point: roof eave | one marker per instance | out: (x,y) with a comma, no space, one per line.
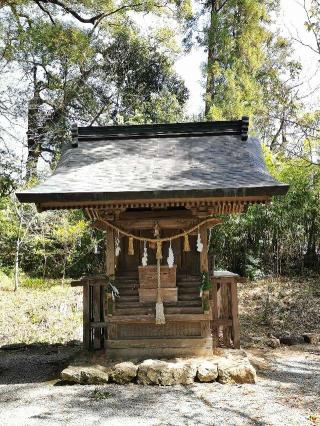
(87,197)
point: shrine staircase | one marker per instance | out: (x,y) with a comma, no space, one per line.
(132,331)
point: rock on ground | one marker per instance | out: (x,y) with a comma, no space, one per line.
(207,371)
(232,371)
(86,375)
(229,366)
(312,338)
(124,372)
(273,342)
(155,372)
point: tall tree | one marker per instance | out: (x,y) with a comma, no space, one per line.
(88,76)
(249,68)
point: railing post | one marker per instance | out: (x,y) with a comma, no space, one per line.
(214,313)
(86,316)
(235,315)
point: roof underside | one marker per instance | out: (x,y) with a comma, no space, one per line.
(161,163)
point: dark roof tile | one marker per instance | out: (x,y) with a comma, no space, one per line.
(109,168)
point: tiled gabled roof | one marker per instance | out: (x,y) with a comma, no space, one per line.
(209,159)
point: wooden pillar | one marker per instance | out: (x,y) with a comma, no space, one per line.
(214,317)
(96,306)
(204,267)
(110,271)
(235,316)
(86,316)
(226,314)
(110,254)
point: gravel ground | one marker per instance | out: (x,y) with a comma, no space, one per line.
(287,393)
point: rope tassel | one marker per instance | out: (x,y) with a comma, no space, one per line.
(186,245)
(130,247)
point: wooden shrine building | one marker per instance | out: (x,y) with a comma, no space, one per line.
(157,191)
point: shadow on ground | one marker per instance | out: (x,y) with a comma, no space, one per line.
(35,363)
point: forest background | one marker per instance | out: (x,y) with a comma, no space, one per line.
(113,62)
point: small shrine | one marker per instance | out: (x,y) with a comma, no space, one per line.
(159,191)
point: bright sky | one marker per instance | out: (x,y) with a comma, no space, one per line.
(290,22)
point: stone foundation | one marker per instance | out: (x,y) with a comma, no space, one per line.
(228,367)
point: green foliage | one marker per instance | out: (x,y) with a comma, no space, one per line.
(280,238)
(91,76)
(53,244)
(99,394)
(205,282)
(250,70)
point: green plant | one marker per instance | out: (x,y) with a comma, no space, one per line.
(111,288)
(100,394)
(205,282)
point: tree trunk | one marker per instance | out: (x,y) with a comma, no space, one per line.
(34,133)
(16,261)
(311,257)
(212,56)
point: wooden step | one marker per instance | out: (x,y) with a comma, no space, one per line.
(133,304)
(188,290)
(183,310)
(133,298)
(146,310)
(140,310)
(158,348)
(151,342)
(136,304)
(184,284)
(181,278)
(128,292)
(126,286)
(127,277)
(157,353)
(150,318)
(188,297)
(197,302)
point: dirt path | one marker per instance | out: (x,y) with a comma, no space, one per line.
(287,394)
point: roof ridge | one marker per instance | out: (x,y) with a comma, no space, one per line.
(215,128)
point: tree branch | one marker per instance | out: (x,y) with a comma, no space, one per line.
(94,20)
(45,11)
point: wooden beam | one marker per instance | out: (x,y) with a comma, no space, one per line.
(78,283)
(219,204)
(155,214)
(132,319)
(167,223)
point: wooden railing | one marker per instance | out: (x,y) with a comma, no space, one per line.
(96,303)
(220,305)
(224,309)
